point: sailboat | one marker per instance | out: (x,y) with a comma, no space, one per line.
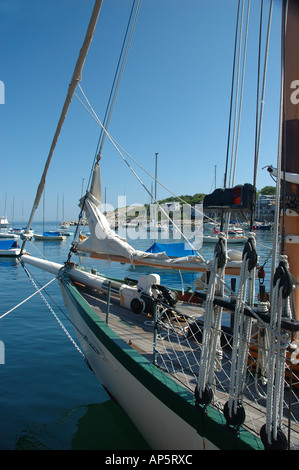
(184,380)
(50,235)
(64,226)
(9,247)
(3,222)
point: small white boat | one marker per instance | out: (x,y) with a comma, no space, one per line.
(20,231)
(156,228)
(9,235)
(64,225)
(262,226)
(233,231)
(17,231)
(65,232)
(230,240)
(3,222)
(49,236)
(9,248)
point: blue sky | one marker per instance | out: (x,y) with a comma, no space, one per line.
(173,99)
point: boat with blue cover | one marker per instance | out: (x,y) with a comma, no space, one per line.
(173,250)
(51,235)
(9,247)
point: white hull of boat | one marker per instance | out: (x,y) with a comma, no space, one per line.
(157,423)
(10,236)
(49,237)
(3,222)
(65,233)
(162,410)
(230,240)
(160,426)
(12,252)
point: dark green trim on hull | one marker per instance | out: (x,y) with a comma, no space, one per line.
(210,425)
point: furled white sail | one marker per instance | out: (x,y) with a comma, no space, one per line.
(96,188)
(102,238)
(105,243)
(290,177)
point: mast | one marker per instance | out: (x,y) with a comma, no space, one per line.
(71,90)
(156,176)
(156,202)
(44,205)
(290,138)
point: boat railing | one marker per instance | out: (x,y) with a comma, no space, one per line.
(178,348)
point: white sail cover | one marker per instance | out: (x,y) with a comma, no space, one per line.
(104,243)
(104,240)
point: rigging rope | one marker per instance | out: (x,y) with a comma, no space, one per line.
(39,291)
(114,143)
(28,298)
(76,77)
(84,337)
(231,97)
(257,102)
(241,333)
(258,137)
(111,100)
(211,347)
(52,311)
(118,147)
(279,162)
(118,74)
(237,95)
(279,340)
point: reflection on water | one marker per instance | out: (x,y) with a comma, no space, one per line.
(106,426)
(102,426)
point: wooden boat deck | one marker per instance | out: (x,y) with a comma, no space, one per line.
(135,329)
(180,358)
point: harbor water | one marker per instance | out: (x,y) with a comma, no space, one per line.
(49,397)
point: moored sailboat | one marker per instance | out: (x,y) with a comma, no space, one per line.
(51,235)
(3,222)
(186,381)
(9,247)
